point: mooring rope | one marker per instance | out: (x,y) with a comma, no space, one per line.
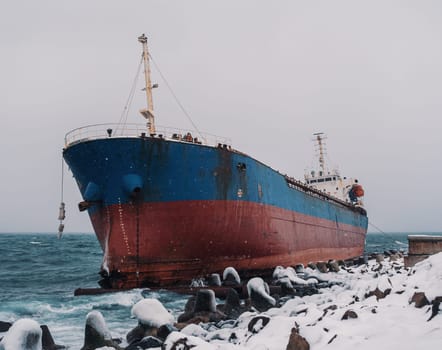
(377,228)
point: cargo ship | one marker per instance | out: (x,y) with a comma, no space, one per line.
(168,207)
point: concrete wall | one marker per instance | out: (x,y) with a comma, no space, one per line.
(421,247)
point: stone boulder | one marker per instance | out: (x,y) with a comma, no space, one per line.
(47,341)
(24,334)
(214,280)
(146,343)
(349,314)
(179,341)
(205,301)
(419,299)
(333,265)
(435,307)
(379,258)
(232,307)
(378,293)
(231,277)
(312,265)
(259,295)
(4,326)
(151,315)
(96,333)
(297,342)
(204,310)
(257,323)
(322,266)
(139,332)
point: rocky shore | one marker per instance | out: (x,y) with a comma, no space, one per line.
(367,303)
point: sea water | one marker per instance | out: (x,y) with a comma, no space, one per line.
(39,273)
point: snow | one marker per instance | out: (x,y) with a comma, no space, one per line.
(194,330)
(281,273)
(192,342)
(96,320)
(383,323)
(384,283)
(24,334)
(427,277)
(258,285)
(151,312)
(231,271)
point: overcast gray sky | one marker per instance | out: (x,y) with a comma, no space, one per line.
(267,74)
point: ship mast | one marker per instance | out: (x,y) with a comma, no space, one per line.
(319,139)
(147,112)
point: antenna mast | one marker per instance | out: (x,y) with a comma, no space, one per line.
(319,140)
(147,112)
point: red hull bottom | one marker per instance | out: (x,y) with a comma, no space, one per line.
(165,244)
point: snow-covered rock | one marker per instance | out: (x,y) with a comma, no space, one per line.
(24,334)
(258,291)
(177,340)
(152,313)
(427,276)
(205,301)
(96,333)
(231,275)
(96,320)
(281,273)
(319,318)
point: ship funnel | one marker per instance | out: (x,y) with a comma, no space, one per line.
(132,184)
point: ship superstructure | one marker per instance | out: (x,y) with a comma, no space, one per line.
(330,181)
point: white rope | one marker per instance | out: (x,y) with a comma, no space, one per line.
(377,228)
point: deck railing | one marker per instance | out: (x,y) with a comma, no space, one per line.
(103,131)
(293,183)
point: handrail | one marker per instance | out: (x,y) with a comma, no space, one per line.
(291,182)
(103,131)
